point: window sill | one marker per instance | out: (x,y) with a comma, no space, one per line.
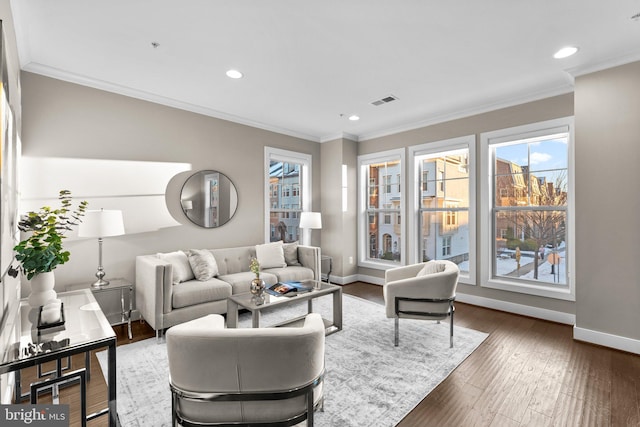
(379,265)
(557,292)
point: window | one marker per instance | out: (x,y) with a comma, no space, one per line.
(380,197)
(529,208)
(442,225)
(291,172)
(446,246)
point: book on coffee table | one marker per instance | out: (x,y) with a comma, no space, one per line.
(288,289)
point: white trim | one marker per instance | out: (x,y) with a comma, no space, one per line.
(158,99)
(608,340)
(371,279)
(343,135)
(563,124)
(604,65)
(523,310)
(467,142)
(363,220)
(288,156)
(343,280)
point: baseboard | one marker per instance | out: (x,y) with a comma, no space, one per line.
(606,340)
(524,310)
(339,280)
(371,279)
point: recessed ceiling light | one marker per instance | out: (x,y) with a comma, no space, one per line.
(234,74)
(565,52)
(353,118)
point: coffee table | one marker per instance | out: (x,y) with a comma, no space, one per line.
(248,301)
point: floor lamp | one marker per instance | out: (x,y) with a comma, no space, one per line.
(102,223)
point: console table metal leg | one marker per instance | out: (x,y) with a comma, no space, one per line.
(130,310)
(54,382)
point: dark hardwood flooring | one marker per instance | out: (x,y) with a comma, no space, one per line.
(528,372)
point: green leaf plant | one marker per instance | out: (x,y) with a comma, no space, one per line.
(42,251)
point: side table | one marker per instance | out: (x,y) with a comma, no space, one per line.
(328,259)
(115,285)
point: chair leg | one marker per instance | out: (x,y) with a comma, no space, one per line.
(396,328)
(451,331)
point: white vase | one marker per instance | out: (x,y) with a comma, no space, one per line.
(42,289)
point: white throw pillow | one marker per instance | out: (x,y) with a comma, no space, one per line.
(431,267)
(180,263)
(270,255)
(203,264)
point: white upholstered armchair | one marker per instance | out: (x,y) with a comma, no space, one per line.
(265,376)
(421,291)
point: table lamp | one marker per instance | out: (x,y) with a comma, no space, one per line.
(312,220)
(101,223)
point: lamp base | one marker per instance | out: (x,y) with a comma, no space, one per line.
(100,283)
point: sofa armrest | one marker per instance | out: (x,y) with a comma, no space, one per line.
(153,289)
(309,256)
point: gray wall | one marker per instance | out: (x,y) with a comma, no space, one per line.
(66,120)
(607,122)
(546,109)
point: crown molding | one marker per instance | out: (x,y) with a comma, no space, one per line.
(157,99)
(603,65)
(480,109)
(342,135)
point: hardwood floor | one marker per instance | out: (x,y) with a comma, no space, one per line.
(528,372)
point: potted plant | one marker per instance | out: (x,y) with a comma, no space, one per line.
(41,252)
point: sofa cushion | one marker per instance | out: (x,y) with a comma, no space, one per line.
(180,266)
(241,282)
(290,273)
(196,292)
(270,255)
(202,263)
(291,253)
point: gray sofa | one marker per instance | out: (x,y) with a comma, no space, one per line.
(164,301)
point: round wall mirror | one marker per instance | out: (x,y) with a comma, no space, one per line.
(209,199)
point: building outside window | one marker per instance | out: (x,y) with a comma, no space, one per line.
(381,198)
(530,204)
(289,171)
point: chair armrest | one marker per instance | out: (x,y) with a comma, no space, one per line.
(309,256)
(153,289)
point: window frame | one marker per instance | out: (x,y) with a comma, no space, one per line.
(364,260)
(467,142)
(306,160)
(487,191)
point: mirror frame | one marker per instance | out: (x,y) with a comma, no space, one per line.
(197,195)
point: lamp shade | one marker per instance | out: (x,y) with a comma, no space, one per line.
(310,220)
(102,223)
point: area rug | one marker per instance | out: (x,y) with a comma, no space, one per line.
(368,381)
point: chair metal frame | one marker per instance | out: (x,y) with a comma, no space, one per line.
(178,394)
(425,314)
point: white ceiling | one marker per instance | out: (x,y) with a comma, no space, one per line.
(307,62)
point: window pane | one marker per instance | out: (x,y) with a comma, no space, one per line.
(445,235)
(384,243)
(285,192)
(444,202)
(384,184)
(530,244)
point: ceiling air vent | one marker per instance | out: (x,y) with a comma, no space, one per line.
(387,99)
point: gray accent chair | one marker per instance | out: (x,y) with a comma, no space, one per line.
(421,291)
(262,376)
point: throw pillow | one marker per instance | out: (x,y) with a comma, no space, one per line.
(291,253)
(430,268)
(180,263)
(271,255)
(203,264)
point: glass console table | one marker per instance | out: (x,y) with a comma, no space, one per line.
(85,328)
